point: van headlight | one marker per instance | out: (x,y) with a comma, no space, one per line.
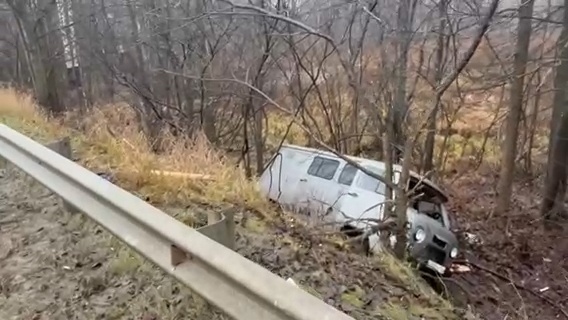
(454,253)
(419,235)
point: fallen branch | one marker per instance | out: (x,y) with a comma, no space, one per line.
(177,174)
(385,225)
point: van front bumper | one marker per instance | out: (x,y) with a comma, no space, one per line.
(431,257)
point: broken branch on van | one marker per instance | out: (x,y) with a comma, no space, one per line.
(384,225)
(377,225)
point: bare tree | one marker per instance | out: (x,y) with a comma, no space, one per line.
(504,187)
(43,50)
(428,159)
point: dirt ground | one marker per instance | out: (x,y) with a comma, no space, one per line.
(520,269)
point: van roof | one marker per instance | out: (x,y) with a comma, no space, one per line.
(364,161)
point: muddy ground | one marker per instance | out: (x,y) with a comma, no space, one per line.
(520,268)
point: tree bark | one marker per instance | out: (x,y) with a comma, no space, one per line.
(555,182)
(428,160)
(400,106)
(555,185)
(42,46)
(505,185)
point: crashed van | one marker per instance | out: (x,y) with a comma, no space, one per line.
(325,186)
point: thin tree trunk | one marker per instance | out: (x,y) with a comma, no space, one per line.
(555,182)
(555,186)
(560,80)
(400,105)
(428,160)
(505,185)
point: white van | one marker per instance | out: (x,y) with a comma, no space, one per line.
(326,186)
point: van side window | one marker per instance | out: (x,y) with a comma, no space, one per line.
(347,175)
(371,184)
(323,168)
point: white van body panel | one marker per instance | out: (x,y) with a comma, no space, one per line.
(328,188)
(286,180)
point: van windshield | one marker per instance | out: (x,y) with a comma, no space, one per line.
(426,200)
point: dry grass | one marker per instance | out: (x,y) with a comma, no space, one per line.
(19,111)
(111,141)
(280,125)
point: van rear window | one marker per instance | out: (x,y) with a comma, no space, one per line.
(323,168)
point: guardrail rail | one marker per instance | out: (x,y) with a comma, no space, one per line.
(236,285)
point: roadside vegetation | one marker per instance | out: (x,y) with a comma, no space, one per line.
(104,144)
(183,102)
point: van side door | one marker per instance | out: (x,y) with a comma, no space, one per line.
(319,182)
(367,198)
(344,181)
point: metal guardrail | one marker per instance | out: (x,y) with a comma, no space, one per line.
(236,285)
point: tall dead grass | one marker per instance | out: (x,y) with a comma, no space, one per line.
(19,111)
(108,139)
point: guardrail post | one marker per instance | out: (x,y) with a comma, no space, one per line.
(213,217)
(230,228)
(63,147)
(221,227)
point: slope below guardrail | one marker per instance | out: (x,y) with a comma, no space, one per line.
(239,287)
(220,225)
